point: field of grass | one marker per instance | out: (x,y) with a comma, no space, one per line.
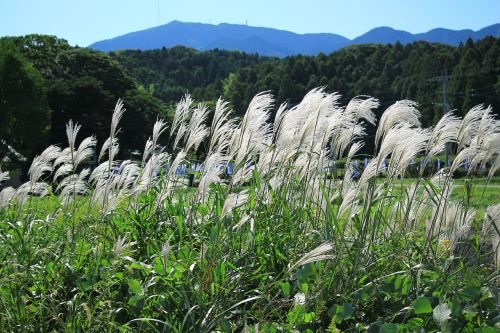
(279,246)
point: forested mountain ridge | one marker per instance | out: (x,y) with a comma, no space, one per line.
(390,72)
(274,42)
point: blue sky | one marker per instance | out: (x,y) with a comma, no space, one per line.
(83,22)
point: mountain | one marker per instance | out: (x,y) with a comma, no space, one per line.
(384,35)
(273,42)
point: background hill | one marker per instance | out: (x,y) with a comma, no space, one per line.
(273,42)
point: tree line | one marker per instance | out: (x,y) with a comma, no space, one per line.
(44,82)
(390,72)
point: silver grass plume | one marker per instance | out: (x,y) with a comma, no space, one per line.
(452,220)
(491,223)
(494,167)
(6,195)
(371,171)
(470,125)
(148,151)
(117,116)
(180,134)
(122,247)
(491,230)
(148,177)
(37,188)
(50,153)
(109,146)
(38,168)
(361,107)
(4,175)
(349,200)
(129,171)
(354,149)
(409,147)
(222,128)
(171,179)
(254,132)
(75,185)
(278,119)
(158,128)
(176,162)
(85,150)
(212,170)
(182,112)
(72,130)
(62,171)
(318,254)
(234,200)
(401,112)
(197,131)
(102,171)
(244,219)
(445,131)
(243,174)
(487,140)
(63,158)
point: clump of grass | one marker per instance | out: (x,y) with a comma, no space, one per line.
(279,245)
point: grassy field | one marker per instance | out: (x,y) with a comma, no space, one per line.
(279,246)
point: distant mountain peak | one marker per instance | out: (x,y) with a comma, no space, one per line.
(274,42)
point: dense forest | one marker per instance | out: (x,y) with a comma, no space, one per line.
(44,82)
(390,72)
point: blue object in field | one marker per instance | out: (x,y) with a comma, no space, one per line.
(366,162)
(356,162)
(421,164)
(466,164)
(439,164)
(430,163)
(230,168)
(355,175)
(183,169)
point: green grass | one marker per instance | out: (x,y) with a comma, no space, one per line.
(214,278)
(280,246)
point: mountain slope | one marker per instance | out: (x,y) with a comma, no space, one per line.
(273,42)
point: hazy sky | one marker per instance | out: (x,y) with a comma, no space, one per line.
(83,22)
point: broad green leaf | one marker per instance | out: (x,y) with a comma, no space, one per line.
(415,323)
(134,286)
(486,330)
(341,312)
(471,292)
(422,305)
(309,317)
(389,328)
(285,288)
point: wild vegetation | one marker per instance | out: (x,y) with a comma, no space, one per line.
(277,246)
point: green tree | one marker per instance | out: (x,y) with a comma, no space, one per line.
(24,112)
